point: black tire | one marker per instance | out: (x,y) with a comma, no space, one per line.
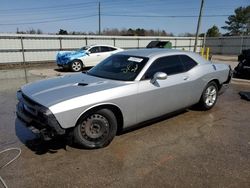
(209,96)
(76,65)
(96,130)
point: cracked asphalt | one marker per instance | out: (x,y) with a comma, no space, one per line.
(191,149)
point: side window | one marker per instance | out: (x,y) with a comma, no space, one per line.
(111,49)
(105,49)
(188,62)
(94,49)
(169,64)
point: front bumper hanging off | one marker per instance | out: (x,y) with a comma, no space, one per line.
(37,118)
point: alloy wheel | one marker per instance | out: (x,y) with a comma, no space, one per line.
(76,66)
(210,95)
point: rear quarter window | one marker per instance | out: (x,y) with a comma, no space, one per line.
(188,62)
(169,64)
(107,49)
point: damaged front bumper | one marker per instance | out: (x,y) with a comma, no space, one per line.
(39,119)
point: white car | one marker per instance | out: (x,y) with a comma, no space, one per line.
(87,56)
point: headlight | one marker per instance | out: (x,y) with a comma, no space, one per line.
(19,95)
(43,114)
(47,117)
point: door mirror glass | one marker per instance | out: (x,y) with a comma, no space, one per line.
(159,76)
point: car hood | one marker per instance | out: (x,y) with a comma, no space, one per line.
(71,54)
(52,91)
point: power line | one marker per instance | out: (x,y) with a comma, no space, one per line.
(48,7)
(163,16)
(51,18)
(58,19)
(49,21)
(83,6)
(46,11)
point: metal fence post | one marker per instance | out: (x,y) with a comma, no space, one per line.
(22,49)
(24,61)
(241,43)
(86,39)
(60,43)
(138,43)
(221,47)
(190,43)
(114,41)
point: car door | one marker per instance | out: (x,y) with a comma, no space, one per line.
(163,96)
(93,57)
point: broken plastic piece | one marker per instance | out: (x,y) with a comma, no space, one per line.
(245,95)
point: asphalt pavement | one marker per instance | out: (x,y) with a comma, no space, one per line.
(191,149)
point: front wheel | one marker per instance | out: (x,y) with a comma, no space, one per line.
(96,130)
(209,96)
(76,66)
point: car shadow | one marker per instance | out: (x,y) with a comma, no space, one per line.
(152,121)
(60,69)
(35,143)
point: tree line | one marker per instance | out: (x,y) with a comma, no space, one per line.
(236,25)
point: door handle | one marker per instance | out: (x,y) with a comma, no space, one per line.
(97,55)
(185,78)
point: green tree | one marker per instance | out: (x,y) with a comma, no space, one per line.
(140,32)
(39,31)
(213,31)
(238,23)
(130,32)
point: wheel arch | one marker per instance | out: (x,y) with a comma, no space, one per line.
(77,59)
(110,106)
(217,83)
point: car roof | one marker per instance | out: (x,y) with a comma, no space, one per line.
(158,52)
(102,45)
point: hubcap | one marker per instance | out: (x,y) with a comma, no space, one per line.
(95,128)
(76,66)
(210,95)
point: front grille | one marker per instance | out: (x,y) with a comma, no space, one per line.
(31,107)
(30,101)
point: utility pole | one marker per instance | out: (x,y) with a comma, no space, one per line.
(99,13)
(198,26)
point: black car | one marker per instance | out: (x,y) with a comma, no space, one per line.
(242,70)
(159,44)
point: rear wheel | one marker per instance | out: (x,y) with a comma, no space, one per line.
(96,130)
(76,66)
(209,96)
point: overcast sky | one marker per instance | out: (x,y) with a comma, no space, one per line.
(176,16)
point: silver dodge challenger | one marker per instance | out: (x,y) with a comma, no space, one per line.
(125,89)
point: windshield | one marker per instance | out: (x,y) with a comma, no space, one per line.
(119,67)
(84,48)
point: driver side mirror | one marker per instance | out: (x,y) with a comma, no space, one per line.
(87,52)
(159,76)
